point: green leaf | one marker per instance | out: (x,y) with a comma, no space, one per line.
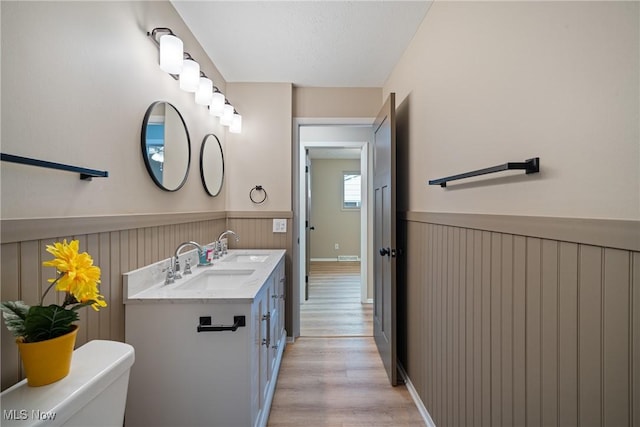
(14,314)
(43,323)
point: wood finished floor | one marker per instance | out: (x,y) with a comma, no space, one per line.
(332,376)
(334,307)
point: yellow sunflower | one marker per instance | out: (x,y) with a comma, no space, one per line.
(79,277)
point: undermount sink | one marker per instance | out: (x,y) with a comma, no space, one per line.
(216,279)
(246,258)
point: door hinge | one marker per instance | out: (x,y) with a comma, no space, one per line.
(306,169)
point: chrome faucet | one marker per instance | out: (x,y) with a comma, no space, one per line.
(176,269)
(222,235)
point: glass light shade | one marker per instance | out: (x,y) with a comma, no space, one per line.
(204,92)
(158,156)
(171,51)
(236,123)
(190,76)
(227,115)
(217,104)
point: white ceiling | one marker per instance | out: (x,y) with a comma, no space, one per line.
(307,43)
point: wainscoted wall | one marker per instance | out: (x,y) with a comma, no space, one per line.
(117,244)
(507,327)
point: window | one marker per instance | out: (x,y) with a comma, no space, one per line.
(351,190)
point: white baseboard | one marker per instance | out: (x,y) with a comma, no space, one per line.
(426,417)
(370,301)
(324,259)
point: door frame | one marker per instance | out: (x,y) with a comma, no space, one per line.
(299,206)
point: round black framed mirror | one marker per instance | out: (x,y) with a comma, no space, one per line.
(212,164)
(166,146)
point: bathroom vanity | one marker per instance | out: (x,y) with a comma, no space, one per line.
(209,346)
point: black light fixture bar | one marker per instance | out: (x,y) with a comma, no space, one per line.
(154,34)
(529,166)
(85,174)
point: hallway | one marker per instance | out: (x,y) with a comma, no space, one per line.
(334,308)
(332,376)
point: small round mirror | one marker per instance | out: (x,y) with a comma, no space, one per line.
(212,165)
(166,147)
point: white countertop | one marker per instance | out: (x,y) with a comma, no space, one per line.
(146,285)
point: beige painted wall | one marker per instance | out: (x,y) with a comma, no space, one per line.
(77,78)
(483,83)
(324,133)
(336,102)
(332,223)
(261,154)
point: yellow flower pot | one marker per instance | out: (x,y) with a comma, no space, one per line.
(46,362)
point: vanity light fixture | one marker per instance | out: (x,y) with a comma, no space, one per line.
(236,123)
(158,155)
(205,91)
(190,75)
(216,107)
(182,67)
(227,115)
(171,50)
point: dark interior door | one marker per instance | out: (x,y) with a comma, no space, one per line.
(384,217)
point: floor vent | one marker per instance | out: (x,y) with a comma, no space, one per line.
(348,258)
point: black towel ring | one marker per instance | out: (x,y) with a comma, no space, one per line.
(258,188)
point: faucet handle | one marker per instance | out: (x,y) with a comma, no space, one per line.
(187,267)
(170,277)
(176,270)
(216,249)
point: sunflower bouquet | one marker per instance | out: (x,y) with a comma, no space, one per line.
(77,277)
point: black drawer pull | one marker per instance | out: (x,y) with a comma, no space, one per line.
(205,324)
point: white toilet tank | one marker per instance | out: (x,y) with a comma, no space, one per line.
(93,394)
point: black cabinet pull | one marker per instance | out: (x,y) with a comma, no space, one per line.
(205,324)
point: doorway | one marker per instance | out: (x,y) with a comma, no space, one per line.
(334,303)
(301,145)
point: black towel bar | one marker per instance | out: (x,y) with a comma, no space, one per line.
(85,174)
(529,166)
